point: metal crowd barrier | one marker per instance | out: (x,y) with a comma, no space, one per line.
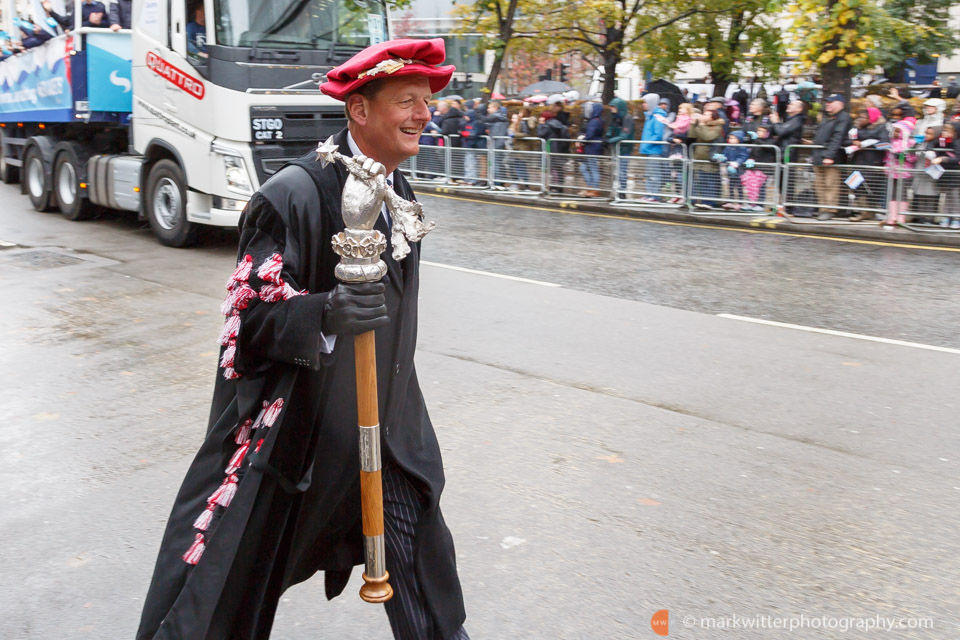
(518,169)
(650,179)
(931,193)
(810,190)
(733,184)
(796,186)
(468,162)
(578,175)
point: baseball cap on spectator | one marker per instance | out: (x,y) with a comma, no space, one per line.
(835,98)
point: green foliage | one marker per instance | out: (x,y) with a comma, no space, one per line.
(856,34)
(732,36)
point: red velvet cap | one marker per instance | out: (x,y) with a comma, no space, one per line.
(391,59)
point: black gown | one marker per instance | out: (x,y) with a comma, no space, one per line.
(273,494)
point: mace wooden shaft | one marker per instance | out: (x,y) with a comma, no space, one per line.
(375,587)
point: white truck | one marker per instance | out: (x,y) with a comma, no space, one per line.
(182,116)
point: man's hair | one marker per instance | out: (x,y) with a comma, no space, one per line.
(368,91)
(494,102)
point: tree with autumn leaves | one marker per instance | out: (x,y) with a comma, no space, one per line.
(837,37)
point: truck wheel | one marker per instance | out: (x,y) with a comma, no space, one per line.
(66,187)
(166,205)
(36,181)
(9,174)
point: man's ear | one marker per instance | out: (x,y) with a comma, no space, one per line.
(357,106)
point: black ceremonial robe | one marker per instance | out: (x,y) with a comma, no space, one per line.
(273,494)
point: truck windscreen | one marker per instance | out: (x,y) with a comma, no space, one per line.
(300,24)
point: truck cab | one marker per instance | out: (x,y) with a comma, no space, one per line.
(220,94)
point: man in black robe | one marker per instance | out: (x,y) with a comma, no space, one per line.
(273,495)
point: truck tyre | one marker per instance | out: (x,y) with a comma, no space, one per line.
(9,174)
(166,205)
(67,170)
(35,180)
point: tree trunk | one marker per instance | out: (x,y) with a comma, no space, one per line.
(836,80)
(506,33)
(610,61)
(720,83)
(494,72)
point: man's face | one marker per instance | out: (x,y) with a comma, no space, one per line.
(492,108)
(557,107)
(442,107)
(834,107)
(929,109)
(710,107)
(793,108)
(391,123)
(756,107)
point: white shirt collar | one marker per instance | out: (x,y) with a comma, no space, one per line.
(355,150)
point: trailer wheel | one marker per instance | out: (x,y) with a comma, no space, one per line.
(35,177)
(166,205)
(8,173)
(66,186)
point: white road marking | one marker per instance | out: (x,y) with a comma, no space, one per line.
(487,273)
(842,334)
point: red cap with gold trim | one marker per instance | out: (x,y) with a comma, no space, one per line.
(391,59)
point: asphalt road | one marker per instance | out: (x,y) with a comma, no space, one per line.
(612,446)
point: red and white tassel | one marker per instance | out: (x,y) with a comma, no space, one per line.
(272,413)
(237,460)
(259,443)
(230,373)
(224,495)
(226,360)
(270,270)
(242,273)
(203,520)
(242,296)
(273,292)
(290,292)
(192,556)
(243,431)
(231,327)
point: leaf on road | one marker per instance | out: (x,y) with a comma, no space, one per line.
(612,459)
(650,502)
(46,416)
(851,364)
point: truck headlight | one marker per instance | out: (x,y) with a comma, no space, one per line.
(236,174)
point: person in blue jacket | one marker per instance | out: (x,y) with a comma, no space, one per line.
(654,126)
(733,158)
(592,141)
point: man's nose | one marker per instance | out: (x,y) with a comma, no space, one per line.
(423,113)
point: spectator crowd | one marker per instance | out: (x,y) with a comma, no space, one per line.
(871,161)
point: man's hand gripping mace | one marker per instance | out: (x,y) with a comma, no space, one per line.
(359,246)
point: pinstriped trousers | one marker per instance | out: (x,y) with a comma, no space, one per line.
(402,506)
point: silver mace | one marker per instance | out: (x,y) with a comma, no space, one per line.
(359,246)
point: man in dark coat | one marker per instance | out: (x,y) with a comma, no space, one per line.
(273,496)
(121,14)
(830,136)
(790,131)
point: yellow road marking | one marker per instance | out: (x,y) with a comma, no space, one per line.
(878,243)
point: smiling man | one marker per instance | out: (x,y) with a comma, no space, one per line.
(273,496)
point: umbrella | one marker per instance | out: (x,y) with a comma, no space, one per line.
(536,99)
(498,96)
(545,86)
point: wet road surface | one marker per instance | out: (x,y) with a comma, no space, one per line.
(607,456)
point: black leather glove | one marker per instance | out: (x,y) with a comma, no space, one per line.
(353,309)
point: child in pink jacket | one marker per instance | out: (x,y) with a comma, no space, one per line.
(898,164)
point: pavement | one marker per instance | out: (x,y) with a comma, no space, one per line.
(838,227)
(617,439)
